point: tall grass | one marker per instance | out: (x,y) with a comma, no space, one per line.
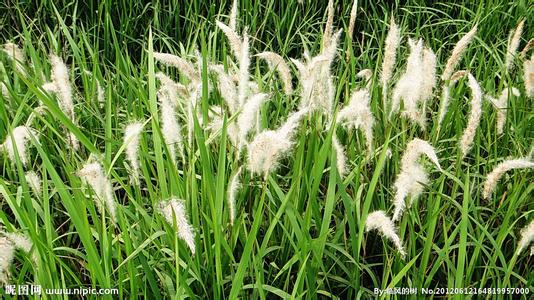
(299,231)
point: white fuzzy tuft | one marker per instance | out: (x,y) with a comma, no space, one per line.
(171,130)
(357,114)
(34,181)
(233,188)
(93,174)
(173,210)
(132,137)
(379,221)
(328,28)
(16,55)
(415,86)
(341,159)
(63,89)
(276,61)
(16,142)
(352,20)
(501,104)
(270,146)
(227,88)
(248,116)
(493,178)
(233,16)
(528,76)
(513,44)
(184,67)
(413,176)
(527,236)
(7,254)
(457,53)
(244,64)
(466,141)
(390,54)
(233,38)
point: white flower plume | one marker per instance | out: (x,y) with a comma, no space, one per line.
(16,55)
(379,221)
(413,176)
(501,104)
(132,137)
(173,210)
(390,54)
(277,62)
(357,114)
(233,188)
(527,236)
(457,53)
(495,175)
(513,44)
(466,141)
(34,181)
(16,142)
(94,175)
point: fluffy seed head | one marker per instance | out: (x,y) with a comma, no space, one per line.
(357,114)
(94,175)
(270,146)
(233,16)
(527,236)
(173,210)
(132,137)
(233,188)
(7,253)
(457,53)
(352,20)
(15,54)
(379,221)
(413,176)
(390,54)
(528,76)
(244,64)
(328,29)
(34,181)
(495,175)
(184,67)
(233,38)
(466,141)
(171,130)
(276,61)
(17,142)
(501,104)
(341,159)
(513,44)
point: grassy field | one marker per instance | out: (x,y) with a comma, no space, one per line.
(299,231)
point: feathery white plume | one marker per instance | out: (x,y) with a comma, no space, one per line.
(227,88)
(4,90)
(62,87)
(415,86)
(132,137)
(379,221)
(466,141)
(16,142)
(184,67)
(513,44)
(7,253)
(248,116)
(233,188)
(446,93)
(341,159)
(233,39)
(412,176)
(276,61)
(493,177)
(94,175)
(390,54)
(233,16)
(173,210)
(34,181)
(328,28)
(268,147)
(357,114)
(527,236)
(501,104)
(457,53)
(528,76)
(9,242)
(244,64)
(16,55)
(352,20)
(171,130)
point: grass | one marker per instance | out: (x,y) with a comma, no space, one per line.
(299,233)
